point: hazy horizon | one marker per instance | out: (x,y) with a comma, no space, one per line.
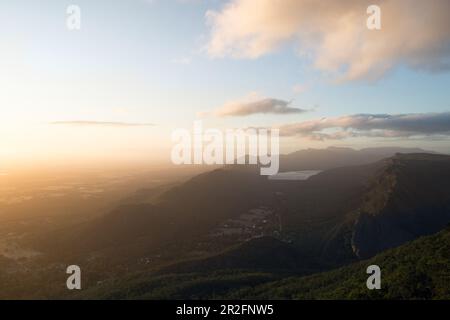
(113,91)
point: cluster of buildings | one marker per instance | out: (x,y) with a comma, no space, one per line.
(255,223)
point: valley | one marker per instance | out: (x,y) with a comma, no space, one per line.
(218,232)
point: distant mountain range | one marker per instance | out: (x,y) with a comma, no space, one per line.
(333,157)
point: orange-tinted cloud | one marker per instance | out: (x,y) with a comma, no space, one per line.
(255,104)
(334,35)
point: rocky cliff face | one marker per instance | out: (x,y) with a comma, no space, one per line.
(408,198)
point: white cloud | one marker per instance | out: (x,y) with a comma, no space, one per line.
(334,34)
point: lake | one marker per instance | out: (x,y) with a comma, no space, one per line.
(295,175)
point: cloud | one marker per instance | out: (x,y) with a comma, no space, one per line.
(334,35)
(254,104)
(101,124)
(371,125)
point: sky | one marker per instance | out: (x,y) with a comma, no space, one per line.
(139,69)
